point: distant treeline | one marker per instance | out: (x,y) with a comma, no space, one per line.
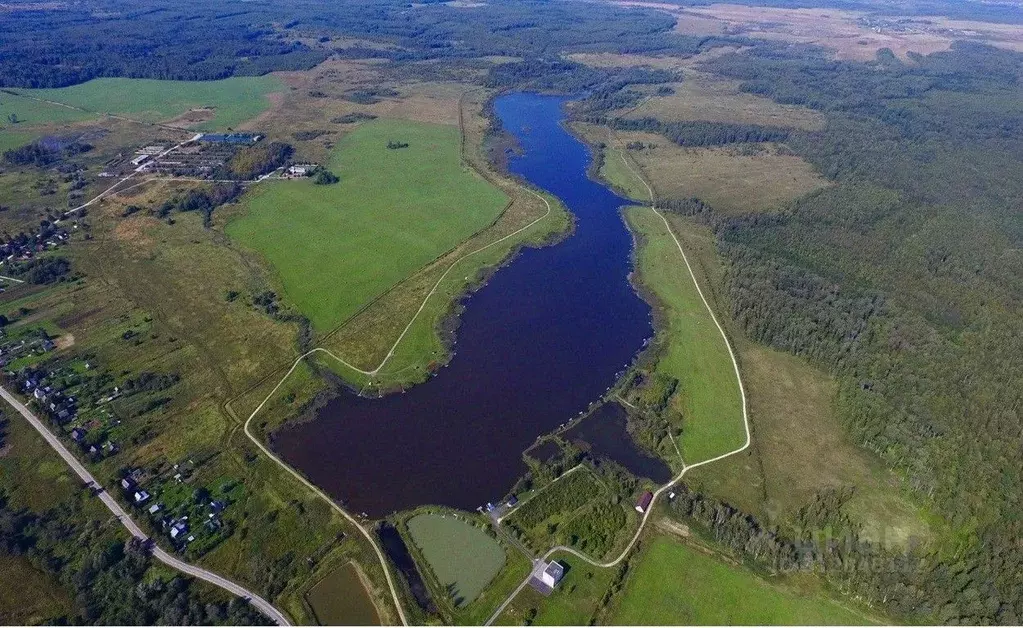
(698,133)
(194,40)
(44,153)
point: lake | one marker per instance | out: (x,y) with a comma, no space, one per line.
(546,335)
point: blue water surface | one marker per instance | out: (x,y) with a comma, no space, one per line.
(542,339)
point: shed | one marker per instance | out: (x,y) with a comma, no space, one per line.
(644,502)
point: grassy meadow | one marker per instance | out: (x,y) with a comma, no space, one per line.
(573,603)
(233,100)
(464,558)
(691,347)
(673,584)
(337,247)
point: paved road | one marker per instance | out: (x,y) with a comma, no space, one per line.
(262,605)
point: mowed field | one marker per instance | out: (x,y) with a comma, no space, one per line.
(672,584)
(336,247)
(233,100)
(691,347)
(461,556)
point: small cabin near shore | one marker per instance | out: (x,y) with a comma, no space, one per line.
(644,502)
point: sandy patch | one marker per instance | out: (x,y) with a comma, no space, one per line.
(192,117)
(65,342)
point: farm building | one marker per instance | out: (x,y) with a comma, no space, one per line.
(230,138)
(553,574)
(546,576)
(301,170)
(644,502)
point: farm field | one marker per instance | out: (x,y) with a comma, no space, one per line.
(692,350)
(340,599)
(464,558)
(394,211)
(672,584)
(233,100)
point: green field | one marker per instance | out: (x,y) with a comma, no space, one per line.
(461,556)
(693,350)
(340,599)
(674,585)
(573,603)
(234,100)
(336,247)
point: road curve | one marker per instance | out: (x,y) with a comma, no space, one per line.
(197,572)
(685,468)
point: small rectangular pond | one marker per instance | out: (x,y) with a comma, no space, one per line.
(340,599)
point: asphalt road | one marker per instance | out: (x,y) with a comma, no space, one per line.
(197,572)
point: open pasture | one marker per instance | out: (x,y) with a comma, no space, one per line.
(337,247)
(232,100)
(673,584)
(691,349)
(464,558)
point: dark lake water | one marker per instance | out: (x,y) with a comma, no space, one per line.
(605,433)
(541,340)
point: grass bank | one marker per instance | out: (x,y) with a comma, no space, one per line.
(691,349)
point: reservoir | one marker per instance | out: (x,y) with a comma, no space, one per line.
(542,339)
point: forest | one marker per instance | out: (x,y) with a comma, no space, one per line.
(904,280)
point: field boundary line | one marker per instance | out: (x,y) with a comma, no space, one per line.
(685,468)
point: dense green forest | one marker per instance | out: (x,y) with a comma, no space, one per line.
(904,279)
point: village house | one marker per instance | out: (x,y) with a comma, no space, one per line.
(644,502)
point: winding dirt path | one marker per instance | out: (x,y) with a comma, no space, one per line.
(685,468)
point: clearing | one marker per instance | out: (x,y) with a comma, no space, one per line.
(709,98)
(463,557)
(337,247)
(691,348)
(234,100)
(738,179)
(672,584)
